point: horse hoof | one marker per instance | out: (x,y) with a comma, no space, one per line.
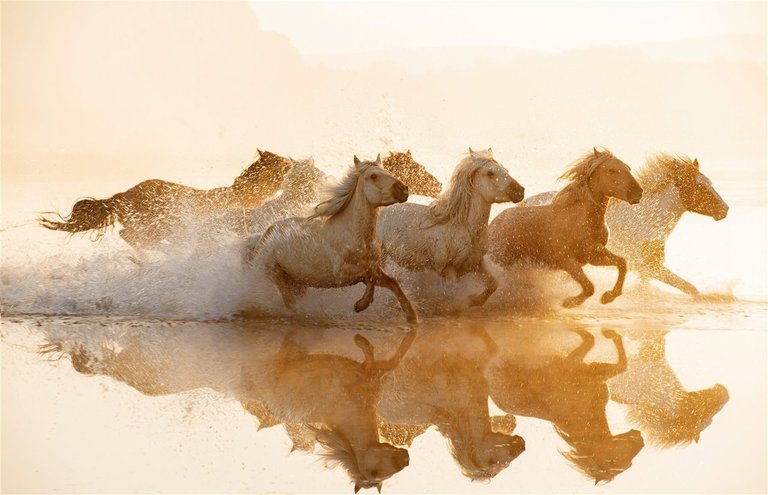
(572,302)
(610,334)
(412,318)
(608,297)
(361,305)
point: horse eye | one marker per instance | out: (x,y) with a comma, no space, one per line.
(491,174)
(374,176)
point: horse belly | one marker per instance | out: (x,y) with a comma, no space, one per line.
(523,234)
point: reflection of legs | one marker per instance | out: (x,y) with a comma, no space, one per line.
(490,286)
(587,289)
(603,257)
(587,343)
(287,288)
(384,280)
(607,370)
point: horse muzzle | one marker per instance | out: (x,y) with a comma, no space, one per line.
(516,192)
(400,192)
(721,213)
(635,195)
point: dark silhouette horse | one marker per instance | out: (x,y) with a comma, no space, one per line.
(154,210)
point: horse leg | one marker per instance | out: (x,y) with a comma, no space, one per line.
(603,257)
(666,275)
(384,280)
(365,301)
(573,268)
(587,343)
(608,370)
(490,285)
(286,286)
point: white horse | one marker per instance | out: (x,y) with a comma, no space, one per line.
(337,245)
(672,185)
(450,236)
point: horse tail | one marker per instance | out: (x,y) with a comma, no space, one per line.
(87,214)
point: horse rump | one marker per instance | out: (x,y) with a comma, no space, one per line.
(87,214)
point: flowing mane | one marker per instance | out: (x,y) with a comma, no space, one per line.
(661,169)
(452,207)
(337,451)
(341,193)
(578,174)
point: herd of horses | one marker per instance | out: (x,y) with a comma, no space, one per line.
(604,216)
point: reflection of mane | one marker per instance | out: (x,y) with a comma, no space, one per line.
(453,205)
(578,174)
(660,171)
(586,462)
(337,451)
(341,193)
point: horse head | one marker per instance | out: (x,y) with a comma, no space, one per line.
(611,177)
(304,178)
(697,192)
(378,463)
(263,176)
(413,174)
(379,186)
(602,458)
(492,180)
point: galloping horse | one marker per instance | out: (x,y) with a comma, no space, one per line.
(672,185)
(412,174)
(451,235)
(337,245)
(154,210)
(570,232)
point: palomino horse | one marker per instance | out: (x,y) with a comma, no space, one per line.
(570,232)
(672,185)
(656,401)
(412,174)
(154,210)
(572,395)
(338,397)
(451,235)
(445,386)
(337,246)
(302,187)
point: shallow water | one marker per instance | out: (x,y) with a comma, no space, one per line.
(126,377)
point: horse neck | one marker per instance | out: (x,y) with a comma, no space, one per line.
(665,207)
(358,218)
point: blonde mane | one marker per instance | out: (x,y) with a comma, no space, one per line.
(661,169)
(578,174)
(341,193)
(452,207)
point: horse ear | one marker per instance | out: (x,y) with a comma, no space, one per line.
(597,153)
(470,150)
(357,160)
(311,161)
(490,149)
(696,163)
(378,487)
(378,160)
(357,487)
(409,153)
(261,153)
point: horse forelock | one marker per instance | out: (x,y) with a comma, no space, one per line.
(342,192)
(578,173)
(453,205)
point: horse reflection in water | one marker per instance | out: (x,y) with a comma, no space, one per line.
(445,386)
(658,404)
(329,398)
(157,211)
(572,395)
(570,232)
(672,185)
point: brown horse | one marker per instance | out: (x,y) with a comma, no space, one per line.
(570,232)
(412,174)
(154,210)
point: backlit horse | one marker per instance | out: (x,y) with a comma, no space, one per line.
(337,245)
(672,185)
(570,232)
(412,174)
(450,236)
(155,210)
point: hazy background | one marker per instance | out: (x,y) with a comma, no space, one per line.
(122,92)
